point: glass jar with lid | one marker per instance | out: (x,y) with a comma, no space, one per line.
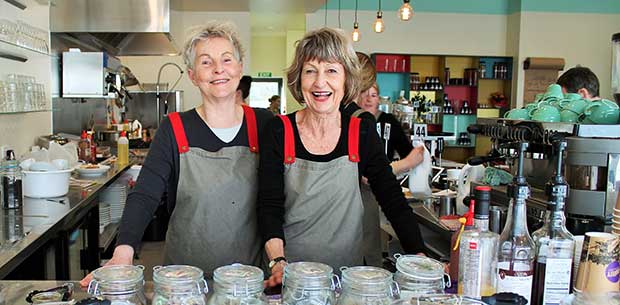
(367,285)
(121,284)
(418,275)
(237,284)
(308,283)
(179,285)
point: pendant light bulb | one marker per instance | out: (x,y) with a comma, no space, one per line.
(356,32)
(406,11)
(378,25)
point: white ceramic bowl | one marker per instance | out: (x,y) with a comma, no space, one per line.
(92,172)
(46,184)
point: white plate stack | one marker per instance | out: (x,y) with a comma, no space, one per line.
(104,216)
(115,195)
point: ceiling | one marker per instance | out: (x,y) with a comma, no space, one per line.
(268,17)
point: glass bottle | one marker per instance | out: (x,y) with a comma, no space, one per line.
(84,151)
(309,283)
(478,251)
(11,182)
(179,284)
(121,284)
(516,246)
(237,284)
(418,275)
(363,285)
(554,244)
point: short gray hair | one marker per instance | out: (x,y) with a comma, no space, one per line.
(327,45)
(220,29)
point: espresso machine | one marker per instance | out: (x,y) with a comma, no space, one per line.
(592,167)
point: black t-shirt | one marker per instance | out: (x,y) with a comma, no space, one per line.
(160,171)
(398,139)
(373,165)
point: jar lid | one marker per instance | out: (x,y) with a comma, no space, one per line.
(419,266)
(445,299)
(177,274)
(308,275)
(365,274)
(118,274)
(238,274)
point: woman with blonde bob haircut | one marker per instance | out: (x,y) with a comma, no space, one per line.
(206,160)
(311,161)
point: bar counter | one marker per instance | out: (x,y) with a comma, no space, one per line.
(41,222)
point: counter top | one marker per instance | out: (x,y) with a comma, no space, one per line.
(15,292)
(27,229)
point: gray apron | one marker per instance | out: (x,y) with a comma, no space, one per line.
(214,222)
(372,230)
(323,211)
(371,246)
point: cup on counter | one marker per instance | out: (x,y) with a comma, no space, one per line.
(554,91)
(569,116)
(545,113)
(600,112)
(599,267)
(518,114)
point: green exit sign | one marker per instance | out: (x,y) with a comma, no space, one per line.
(264,74)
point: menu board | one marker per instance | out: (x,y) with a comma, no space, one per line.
(539,74)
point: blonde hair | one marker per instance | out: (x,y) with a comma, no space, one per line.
(219,29)
(368,72)
(325,45)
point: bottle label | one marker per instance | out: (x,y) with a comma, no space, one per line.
(473,269)
(518,280)
(557,280)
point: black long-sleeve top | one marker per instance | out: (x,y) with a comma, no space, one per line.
(160,171)
(398,139)
(373,165)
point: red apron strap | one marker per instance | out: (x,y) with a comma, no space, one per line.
(354,139)
(250,119)
(179,132)
(289,140)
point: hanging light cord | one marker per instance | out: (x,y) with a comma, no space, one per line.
(355,11)
(379,5)
(339,24)
(325,22)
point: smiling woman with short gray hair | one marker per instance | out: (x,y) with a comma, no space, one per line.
(311,162)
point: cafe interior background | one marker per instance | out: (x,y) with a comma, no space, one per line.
(577,31)
(460,34)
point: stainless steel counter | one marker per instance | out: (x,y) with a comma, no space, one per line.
(26,230)
(15,292)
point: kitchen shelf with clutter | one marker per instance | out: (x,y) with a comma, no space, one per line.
(446,92)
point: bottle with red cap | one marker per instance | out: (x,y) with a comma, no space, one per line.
(123,149)
(478,251)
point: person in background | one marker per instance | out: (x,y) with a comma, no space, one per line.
(580,80)
(274,104)
(396,141)
(311,162)
(244,90)
(206,160)
(368,76)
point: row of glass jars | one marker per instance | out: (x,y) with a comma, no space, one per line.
(304,283)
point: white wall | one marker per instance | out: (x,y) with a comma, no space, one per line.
(426,33)
(20,130)
(145,68)
(583,39)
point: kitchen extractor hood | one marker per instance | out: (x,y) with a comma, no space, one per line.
(118,27)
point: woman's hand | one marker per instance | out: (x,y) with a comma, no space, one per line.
(277,272)
(275,248)
(415,157)
(123,255)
